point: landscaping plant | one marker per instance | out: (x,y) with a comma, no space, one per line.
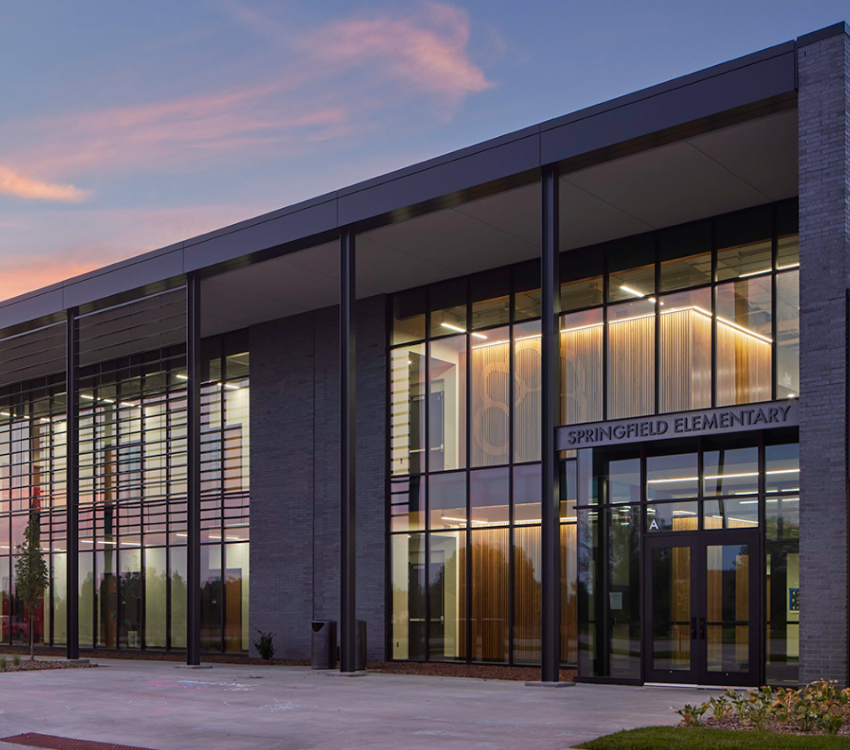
(819,707)
(16,660)
(265,646)
(2,663)
(31,576)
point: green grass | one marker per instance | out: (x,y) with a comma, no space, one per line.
(685,738)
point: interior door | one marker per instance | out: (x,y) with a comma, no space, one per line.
(702,606)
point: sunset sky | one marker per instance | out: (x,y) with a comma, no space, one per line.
(128,126)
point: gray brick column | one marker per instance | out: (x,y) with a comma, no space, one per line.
(295,476)
(824,136)
(282,483)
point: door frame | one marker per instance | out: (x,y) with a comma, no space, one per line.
(699,541)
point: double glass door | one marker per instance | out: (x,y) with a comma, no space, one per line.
(702,603)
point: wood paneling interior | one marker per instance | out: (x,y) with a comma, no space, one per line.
(631,367)
(490,600)
(685,360)
(527,594)
(581,391)
(743,366)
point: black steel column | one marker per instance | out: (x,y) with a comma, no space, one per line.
(550,406)
(348,410)
(72,481)
(193,469)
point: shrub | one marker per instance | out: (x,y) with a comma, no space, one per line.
(692,715)
(264,645)
(16,660)
(3,663)
(819,706)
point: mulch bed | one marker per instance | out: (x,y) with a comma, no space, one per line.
(439,669)
(476,671)
(27,665)
(737,725)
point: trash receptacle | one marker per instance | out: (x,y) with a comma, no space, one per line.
(360,645)
(323,653)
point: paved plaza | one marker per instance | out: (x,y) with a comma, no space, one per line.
(156,705)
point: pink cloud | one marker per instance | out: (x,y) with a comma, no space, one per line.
(20,186)
(428,51)
(331,82)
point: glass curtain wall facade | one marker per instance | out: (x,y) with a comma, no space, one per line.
(466,485)
(690,317)
(32,477)
(132,478)
(750,482)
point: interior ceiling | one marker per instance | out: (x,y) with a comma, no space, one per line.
(744,165)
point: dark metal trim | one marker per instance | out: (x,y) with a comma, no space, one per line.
(193,459)
(550,392)
(72,490)
(348,411)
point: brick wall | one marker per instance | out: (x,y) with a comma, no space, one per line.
(295,511)
(823,151)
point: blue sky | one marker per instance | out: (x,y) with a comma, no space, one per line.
(125,127)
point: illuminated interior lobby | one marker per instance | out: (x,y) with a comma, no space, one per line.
(573,397)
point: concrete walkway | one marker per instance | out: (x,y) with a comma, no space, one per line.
(155,705)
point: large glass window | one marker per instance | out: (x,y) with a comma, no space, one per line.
(631,359)
(788,334)
(680,319)
(407,409)
(744,330)
(447,403)
(685,358)
(581,355)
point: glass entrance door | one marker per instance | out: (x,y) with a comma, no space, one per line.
(702,602)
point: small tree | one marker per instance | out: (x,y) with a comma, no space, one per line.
(31,576)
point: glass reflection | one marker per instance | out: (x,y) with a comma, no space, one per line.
(744,341)
(731,471)
(490,401)
(447,500)
(672,517)
(671,477)
(407,409)
(728,610)
(671,608)
(448,307)
(788,334)
(489,497)
(408,596)
(527,370)
(407,504)
(447,404)
(528,491)
(447,596)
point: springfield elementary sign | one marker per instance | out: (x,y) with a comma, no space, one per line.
(707,422)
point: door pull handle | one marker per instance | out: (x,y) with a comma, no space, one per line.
(693,628)
(702,628)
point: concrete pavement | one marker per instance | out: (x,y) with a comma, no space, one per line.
(155,705)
